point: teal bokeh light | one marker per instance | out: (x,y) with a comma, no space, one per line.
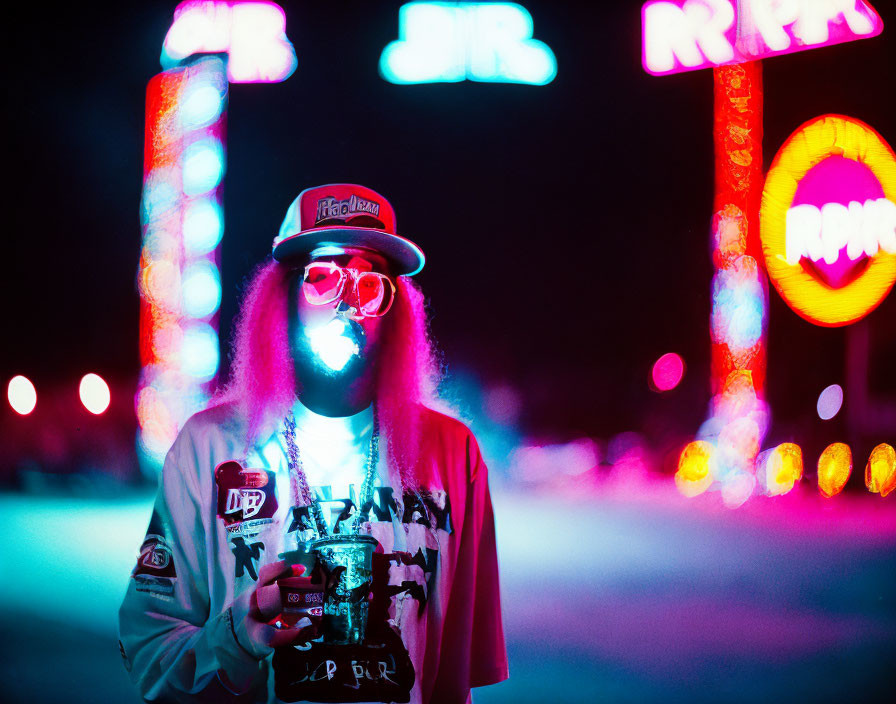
(202,105)
(203,226)
(450,42)
(201,289)
(199,352)
(203,166)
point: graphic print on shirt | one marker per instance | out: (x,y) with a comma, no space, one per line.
(246,556)
(155,572)
(379,669)
(247,502)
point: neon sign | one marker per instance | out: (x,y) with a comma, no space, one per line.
(252,34)
(686,35)
(828,220)
(455,41)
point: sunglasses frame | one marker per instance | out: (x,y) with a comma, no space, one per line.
(344,274)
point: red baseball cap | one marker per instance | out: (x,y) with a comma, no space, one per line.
(345,214)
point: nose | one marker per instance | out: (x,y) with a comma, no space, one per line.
(345,310)
(352,297)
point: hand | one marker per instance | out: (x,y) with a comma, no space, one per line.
(265,624)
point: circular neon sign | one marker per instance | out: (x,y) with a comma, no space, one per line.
(828,220)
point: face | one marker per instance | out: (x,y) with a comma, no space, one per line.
(331,340)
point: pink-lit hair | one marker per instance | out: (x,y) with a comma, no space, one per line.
(262,377)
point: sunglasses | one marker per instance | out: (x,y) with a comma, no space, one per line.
(324,282)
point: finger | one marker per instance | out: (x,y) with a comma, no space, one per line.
(271,571)
(298,570)
(268,601)
(302,632)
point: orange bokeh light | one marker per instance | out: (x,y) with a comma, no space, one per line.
(694,474)
(834,468)
(880,472)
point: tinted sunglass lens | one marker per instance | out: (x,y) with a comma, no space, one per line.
(374,294)
(321,284)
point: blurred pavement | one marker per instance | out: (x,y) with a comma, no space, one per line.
(612,595)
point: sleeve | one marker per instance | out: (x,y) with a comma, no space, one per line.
(473,652)
(173,649)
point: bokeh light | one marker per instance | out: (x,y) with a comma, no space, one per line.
(783,468)
(202,104)
(94,393)
(834,468)
(829,402)
(201,289)
(203,166)
(737,487)
(203,226)
(21,394)
(694,476)
(199,351)
(667,372)
(880,472)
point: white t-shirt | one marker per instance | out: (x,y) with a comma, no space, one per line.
(434,627)
(333,452)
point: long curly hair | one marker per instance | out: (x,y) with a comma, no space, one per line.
(262,385)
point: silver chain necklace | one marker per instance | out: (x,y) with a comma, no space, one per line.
(301,490)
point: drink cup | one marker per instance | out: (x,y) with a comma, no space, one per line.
(348,562)
(301,598)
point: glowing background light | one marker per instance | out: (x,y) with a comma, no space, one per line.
(737,488)
(694,474)
(739,415)
(684,35)
(201,106)
(880,471)
(834,468)
(829,402)
(331,344)
(783,468)
(94,393)
(451,42)
(253,34)
(159,195)
(199,351)
(203,226)
(667,372)
(179,281)
(534,463)
(21,394)
(201,289)
(203,166)
(827,212)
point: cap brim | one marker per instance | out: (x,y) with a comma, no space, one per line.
(406,255)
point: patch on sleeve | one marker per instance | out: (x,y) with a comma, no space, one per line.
(155,571)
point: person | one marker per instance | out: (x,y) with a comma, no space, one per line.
(329,433)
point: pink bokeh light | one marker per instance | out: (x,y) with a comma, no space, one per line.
(667,372)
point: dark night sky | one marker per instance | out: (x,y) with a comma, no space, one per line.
(606,173)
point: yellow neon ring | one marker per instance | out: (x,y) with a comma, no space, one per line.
(817,139)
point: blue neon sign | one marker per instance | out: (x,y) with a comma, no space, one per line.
(456,41)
